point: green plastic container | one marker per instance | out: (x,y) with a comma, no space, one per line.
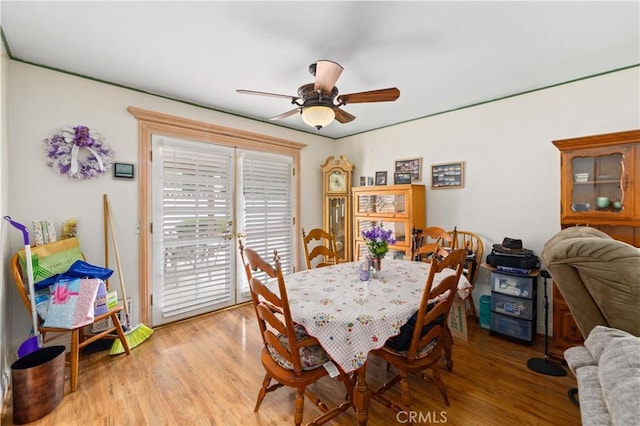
(485,311)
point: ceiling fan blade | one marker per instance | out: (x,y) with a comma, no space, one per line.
(327,73)
(381,95)
(285,114)
(343,116)
(273,95)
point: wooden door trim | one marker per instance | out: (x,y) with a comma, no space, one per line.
(155,123)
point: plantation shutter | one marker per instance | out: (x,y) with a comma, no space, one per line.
(266,206)
(194,267)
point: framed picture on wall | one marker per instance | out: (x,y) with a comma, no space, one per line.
(363,181)
(448,175)
(401,178)
(369,180)
(412,166)
(381,178)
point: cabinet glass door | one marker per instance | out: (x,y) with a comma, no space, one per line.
(598,183)
(337,223)
(401,253)
(401,233)
(393,204)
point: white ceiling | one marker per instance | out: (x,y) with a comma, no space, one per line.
(441,55)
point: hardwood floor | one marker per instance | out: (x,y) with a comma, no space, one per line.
(206,371)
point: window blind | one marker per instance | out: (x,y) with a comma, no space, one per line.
(267,206)
(196,213)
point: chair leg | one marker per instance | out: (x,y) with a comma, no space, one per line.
(74,355)
(447,343)
(404,389)
(263,391)
(316,401)
(297,417)
(438,381)
(472,307)
(120,332)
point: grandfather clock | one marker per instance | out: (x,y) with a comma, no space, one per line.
(336,203)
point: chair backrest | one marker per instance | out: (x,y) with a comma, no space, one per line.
(274,318)
(19,283)
(472,243)
(325,249)
(429,243)
(253,262)
(436,302)
(62,252)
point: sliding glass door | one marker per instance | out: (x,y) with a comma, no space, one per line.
(204,197)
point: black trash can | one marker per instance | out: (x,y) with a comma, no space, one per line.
(38,384)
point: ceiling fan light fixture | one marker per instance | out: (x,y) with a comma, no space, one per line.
(318,116)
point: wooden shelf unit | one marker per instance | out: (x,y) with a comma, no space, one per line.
(397,207)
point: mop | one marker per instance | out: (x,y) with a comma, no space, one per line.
(134,335)
(33,343)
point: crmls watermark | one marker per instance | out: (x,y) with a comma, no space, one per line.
(421,417)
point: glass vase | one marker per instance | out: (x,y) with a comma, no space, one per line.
(375,264)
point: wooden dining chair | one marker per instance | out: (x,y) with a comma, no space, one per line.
(325,247)
(254,263)
(430,337)
(290,356)
(472,243)
(429,243)
(79,338)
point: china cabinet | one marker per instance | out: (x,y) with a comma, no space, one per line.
(397,207)
(599,187)
(336,203)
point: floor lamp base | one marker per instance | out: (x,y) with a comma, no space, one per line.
(544,366)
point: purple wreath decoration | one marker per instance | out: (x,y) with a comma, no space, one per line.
(78,153)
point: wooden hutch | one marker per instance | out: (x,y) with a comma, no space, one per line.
(600,181)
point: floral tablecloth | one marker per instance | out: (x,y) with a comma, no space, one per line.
(350,317)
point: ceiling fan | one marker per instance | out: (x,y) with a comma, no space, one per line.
(319,102)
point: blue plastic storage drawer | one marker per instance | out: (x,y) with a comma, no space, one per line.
(509,326)
(513,285)
(514,306)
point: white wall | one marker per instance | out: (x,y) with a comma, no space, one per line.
(511,167)
(512,170)
(40,101)
(5,306)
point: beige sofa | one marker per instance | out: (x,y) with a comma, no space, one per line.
(607,369)
(599,278)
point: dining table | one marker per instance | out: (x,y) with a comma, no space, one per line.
(350,317)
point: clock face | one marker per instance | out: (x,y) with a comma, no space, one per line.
(337,181)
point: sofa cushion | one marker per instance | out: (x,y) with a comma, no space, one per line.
(311,357)
(600,338)
(593,408)
(619,375)
(578,356)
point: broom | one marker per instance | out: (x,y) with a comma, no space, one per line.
(134,335)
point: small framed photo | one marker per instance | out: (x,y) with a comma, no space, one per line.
(449,175)
(363,181)
(381,178)
(401,178)
(370,180)
(412,166)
